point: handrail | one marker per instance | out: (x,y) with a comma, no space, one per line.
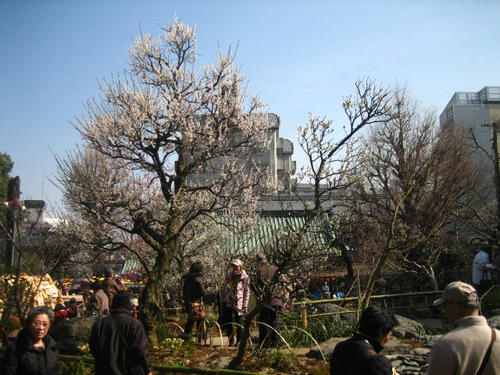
(167,369)
(378,296)
(304,304)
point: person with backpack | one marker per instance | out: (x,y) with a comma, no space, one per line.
(118,341)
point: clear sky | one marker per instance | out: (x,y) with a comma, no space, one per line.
(301,56)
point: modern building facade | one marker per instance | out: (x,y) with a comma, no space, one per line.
(475,111)
(276,157)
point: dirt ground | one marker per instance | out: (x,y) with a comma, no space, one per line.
(216,354)
(266,361)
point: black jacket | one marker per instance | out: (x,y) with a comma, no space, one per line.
(119,345)
(357,356)
(193,289)
(22,359)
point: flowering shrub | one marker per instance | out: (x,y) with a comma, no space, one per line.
(173,352)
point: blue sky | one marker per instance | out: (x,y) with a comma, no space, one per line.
(301,56)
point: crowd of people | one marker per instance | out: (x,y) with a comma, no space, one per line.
(119,344)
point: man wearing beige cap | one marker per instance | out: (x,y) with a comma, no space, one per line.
(471,347)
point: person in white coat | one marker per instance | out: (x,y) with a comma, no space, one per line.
(482,270)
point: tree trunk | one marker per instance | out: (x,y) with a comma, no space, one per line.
(365,300)
(432,277)
(366,295)
(348,265)
(151,296)
(236,361)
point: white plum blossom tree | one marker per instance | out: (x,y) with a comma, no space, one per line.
(170,146)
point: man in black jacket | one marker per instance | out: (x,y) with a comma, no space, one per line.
(118,341)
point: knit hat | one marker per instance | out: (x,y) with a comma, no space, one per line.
(261,257)
(108,273)
(59,307)
(460,292)
(60,315)
(121,300)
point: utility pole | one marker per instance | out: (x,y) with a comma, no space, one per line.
(496,244)
(13,194)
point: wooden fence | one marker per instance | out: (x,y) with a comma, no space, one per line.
(397,301)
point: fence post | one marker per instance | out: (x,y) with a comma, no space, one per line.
(304,316)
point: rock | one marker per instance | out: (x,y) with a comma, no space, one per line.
(420,351)
(494,322)
(326,347)
(423,312)
(394,346)
(432,325)
(333,307)
(396,363)
(429,341)
(407,328)
(414,363)
(409,370)
(328,307)
(73,334)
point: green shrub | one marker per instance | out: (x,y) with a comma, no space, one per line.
(321,328)
(163,330)
(281,360)
(78,367)
(173,352)
(491,300)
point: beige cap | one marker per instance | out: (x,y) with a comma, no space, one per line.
(458,291)
(236,262)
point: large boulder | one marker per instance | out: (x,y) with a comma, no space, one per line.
(334,308)
(494,321)
(423,312)
(326,348)
(407,328)
(434,326)
(74,334)
(394,346)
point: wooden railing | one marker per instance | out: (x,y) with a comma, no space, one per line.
(351,303)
